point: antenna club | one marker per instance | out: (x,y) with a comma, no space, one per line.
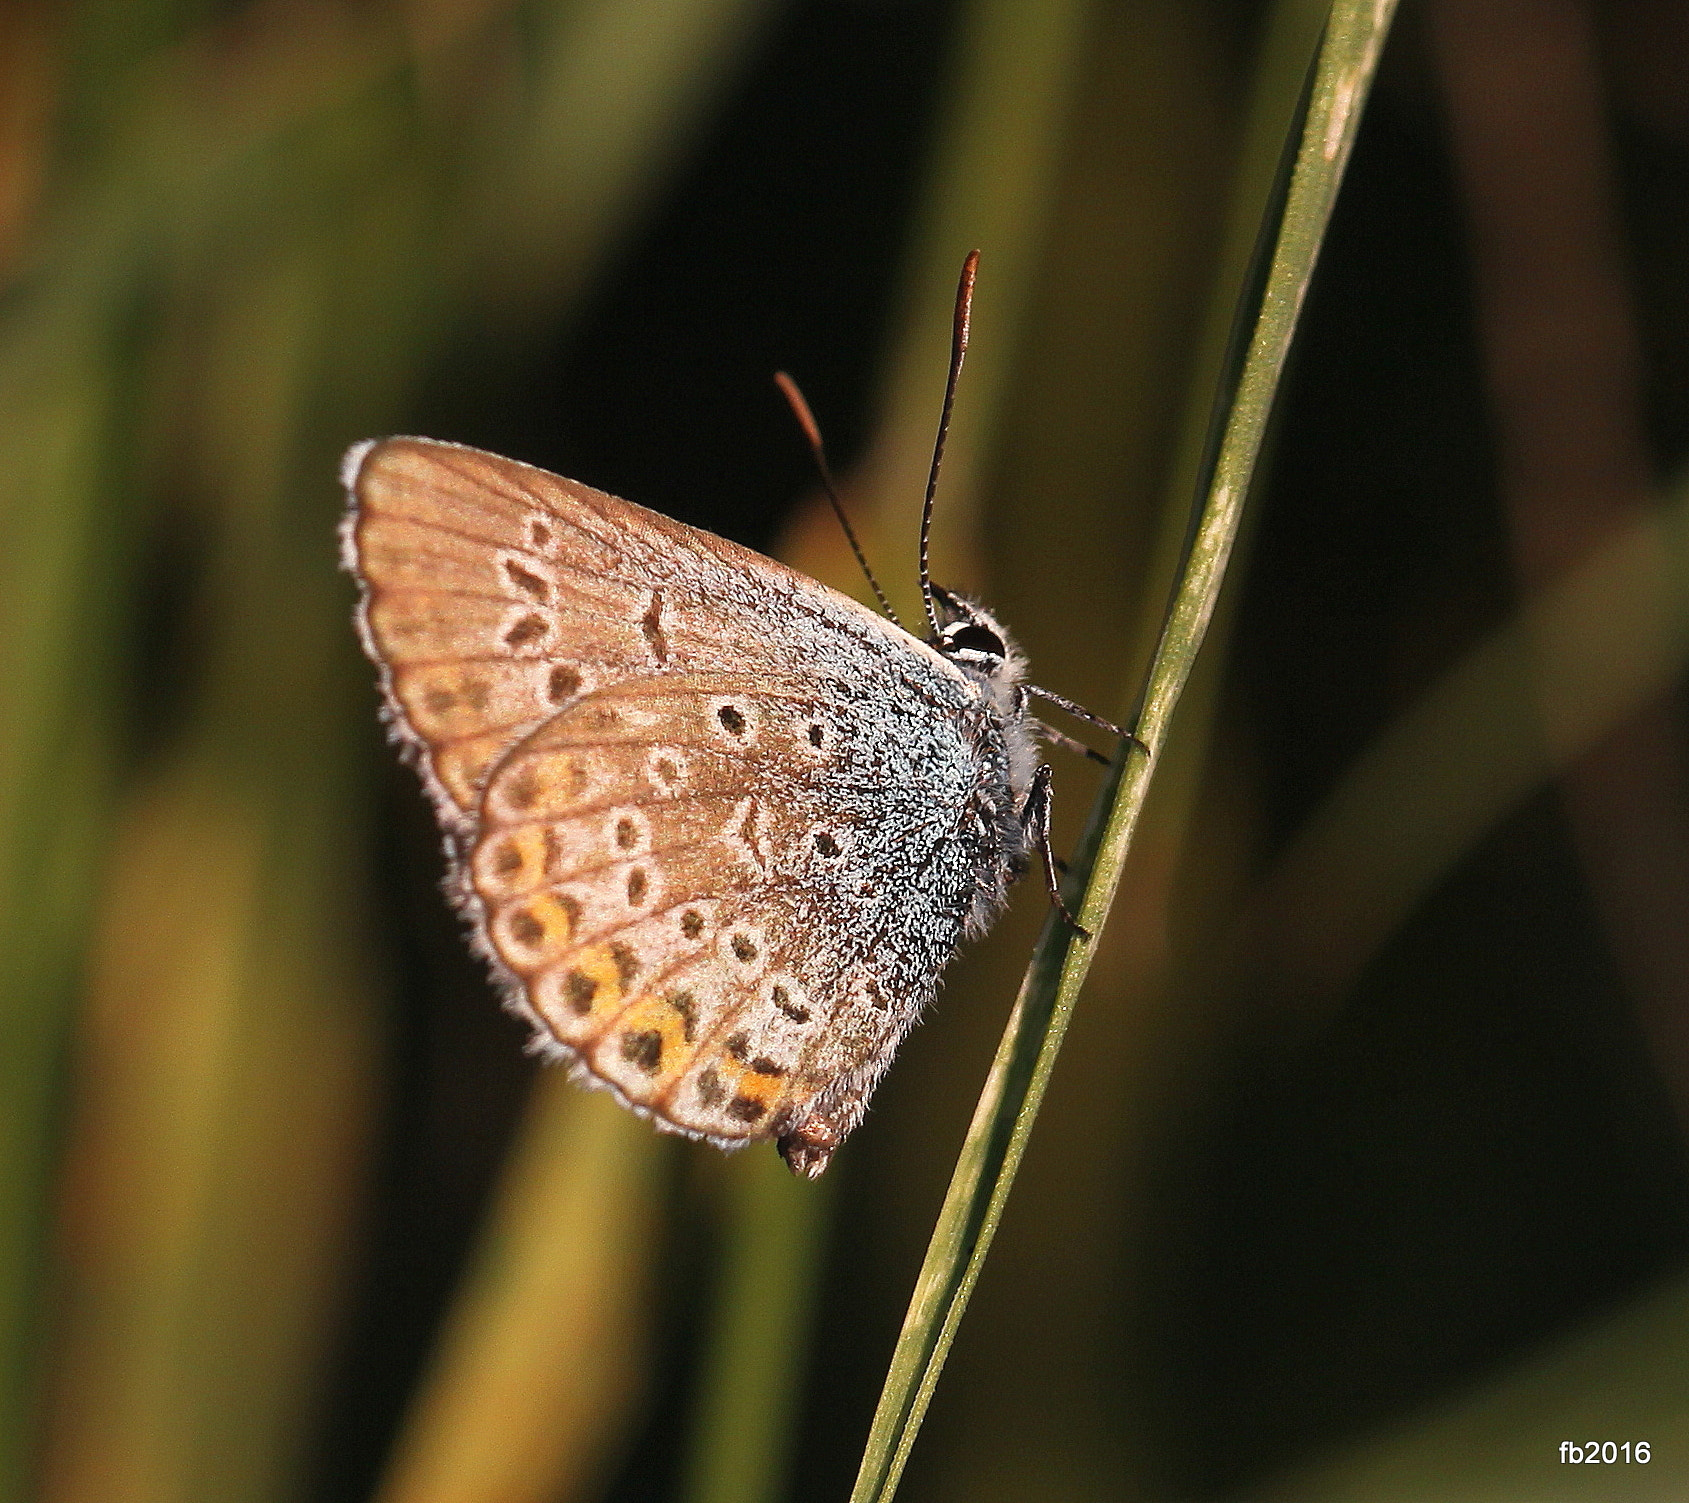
(965,299)
(800,410)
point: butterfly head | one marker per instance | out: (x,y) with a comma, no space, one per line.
(971,638)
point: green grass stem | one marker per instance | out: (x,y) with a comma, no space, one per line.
(1289,243)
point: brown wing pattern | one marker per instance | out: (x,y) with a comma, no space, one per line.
(496,594)
(649,864)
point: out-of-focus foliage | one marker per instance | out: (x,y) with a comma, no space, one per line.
(248,233)
(1374,1101)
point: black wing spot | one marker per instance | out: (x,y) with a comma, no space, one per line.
(563,684)
(528,582)
(638,884)
(529,629)
(578,990)
(527,929)
(826,844)
(643,1050)
(732,719)
(651,624)
(744,1109)
(627,964)
(686,1008)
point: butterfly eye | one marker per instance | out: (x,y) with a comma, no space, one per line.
(974,638)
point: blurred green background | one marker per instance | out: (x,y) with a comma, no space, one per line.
(1363,1175)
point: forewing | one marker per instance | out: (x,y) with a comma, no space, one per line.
(495,595)
(664,875)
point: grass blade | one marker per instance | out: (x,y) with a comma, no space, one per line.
(752,1371)
(530,1388)
(1316,155)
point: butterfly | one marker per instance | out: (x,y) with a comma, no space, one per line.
(716,828)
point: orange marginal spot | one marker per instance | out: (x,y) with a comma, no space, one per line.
(445,701)
(655,1017)
(533,932)
(511,862)
(400,626)
(543,783)
(462,765)
(596,965)
(752,1097)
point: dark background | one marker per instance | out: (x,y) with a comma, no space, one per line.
(1332,1214)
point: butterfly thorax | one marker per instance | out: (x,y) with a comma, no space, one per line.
(1005,746)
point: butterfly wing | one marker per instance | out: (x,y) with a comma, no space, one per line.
(496,594)
(720,827)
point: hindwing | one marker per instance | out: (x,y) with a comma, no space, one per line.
(666,880)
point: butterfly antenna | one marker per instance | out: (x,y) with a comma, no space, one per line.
(958,352)
(1061,702)
(812,432)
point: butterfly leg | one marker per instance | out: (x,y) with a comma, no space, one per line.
(1035,818)
(1070,743)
